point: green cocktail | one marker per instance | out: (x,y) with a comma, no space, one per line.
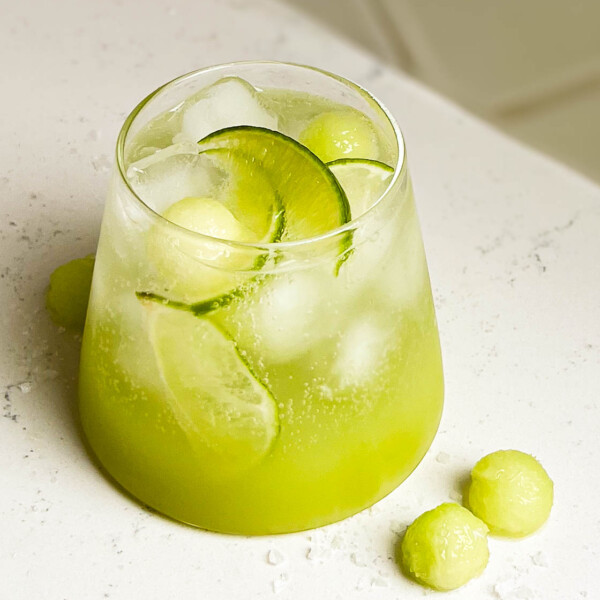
(261,353)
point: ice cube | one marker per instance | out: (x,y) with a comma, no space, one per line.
(372,249)
(288,317)
(362,349)
(159,155)
(228,103)
(161,183)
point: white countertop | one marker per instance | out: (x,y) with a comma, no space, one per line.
(514,250)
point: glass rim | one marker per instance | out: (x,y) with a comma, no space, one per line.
(351,225)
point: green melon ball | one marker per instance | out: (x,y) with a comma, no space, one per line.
(69,292)
(346,133)
(184,261)
(511,492)
(445,547)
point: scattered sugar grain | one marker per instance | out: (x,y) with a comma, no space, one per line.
(279,582)
(275,557)
(443,458)
(358,559)
(379,582)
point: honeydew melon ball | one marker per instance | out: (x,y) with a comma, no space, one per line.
(344,133)
(69,292)
(511,492)
(445,547)
(185,261)
(207,216)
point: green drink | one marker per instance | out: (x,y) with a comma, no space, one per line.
(261,353)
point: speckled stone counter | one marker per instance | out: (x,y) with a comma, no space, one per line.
(514,252)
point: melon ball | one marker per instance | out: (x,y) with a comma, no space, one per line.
(445,547)
(185,262)
(511,492)
(336,134)
(69,292)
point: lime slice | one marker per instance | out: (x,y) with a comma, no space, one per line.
(313,201)
(228,415)
(363,180)
(245,190)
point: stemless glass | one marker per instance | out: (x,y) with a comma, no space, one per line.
(305,395)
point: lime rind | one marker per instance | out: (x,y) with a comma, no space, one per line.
(198,309)
(361,161)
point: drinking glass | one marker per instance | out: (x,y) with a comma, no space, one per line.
(304,395)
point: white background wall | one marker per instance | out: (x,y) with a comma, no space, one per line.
(531,67)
